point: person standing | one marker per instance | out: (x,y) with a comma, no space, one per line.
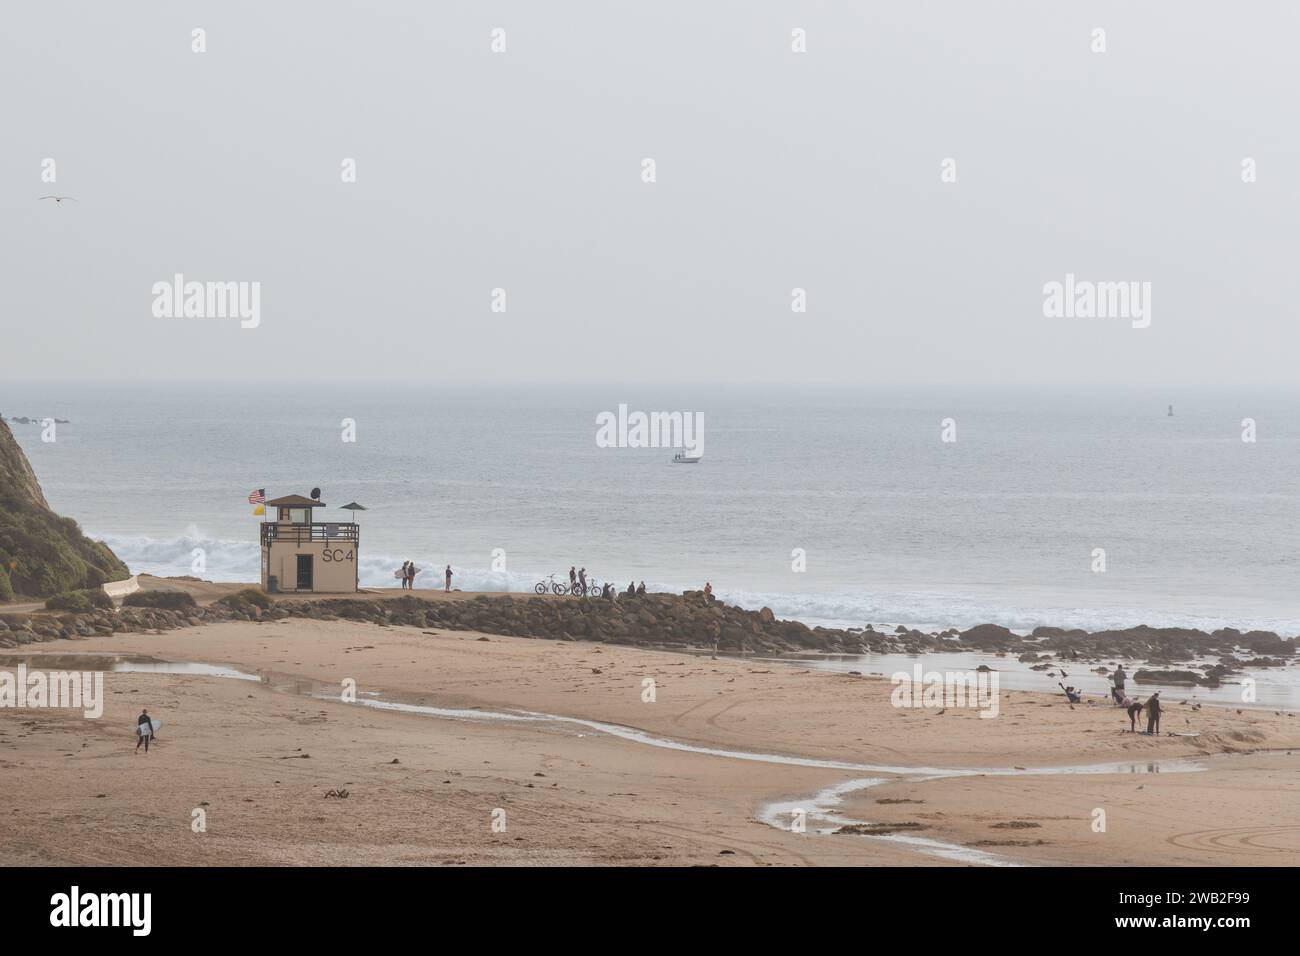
(143,731)
(1120,678)
(448,585)
(406,572)
(1153,715)
(582,579)
(573,580)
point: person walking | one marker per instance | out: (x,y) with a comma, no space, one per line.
(1153,715)
(448,585)
(1119,678)
(143,731)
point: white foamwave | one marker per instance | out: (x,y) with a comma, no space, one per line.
(229,560)
(191,552)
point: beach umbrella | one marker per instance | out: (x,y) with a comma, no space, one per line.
(353,507)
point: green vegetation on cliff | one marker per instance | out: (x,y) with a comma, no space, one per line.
(41,553)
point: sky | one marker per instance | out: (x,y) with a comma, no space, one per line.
(523,170)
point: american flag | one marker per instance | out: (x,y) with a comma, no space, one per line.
(257,497)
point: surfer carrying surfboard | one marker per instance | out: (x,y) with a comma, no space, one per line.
(143,731)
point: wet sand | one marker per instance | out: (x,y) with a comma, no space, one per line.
(422,790)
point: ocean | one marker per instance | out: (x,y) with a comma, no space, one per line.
(894,525)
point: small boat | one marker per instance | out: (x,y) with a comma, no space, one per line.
(683,459)
(1171,412)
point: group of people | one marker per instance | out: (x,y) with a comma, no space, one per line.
(576,579)
(1132,706)
(578,585)
(409,571)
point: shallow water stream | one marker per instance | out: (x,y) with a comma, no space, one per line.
(820,809)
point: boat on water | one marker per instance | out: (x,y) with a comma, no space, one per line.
(683,459)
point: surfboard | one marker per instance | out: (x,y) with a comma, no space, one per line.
(398,573)
(154,724)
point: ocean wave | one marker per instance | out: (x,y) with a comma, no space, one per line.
(192,552)
(230,560)
(929,612)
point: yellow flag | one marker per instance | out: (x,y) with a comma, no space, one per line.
(259,510)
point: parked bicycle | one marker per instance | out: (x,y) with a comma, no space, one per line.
(552,585)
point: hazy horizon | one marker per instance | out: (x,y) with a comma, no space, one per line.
(775,170)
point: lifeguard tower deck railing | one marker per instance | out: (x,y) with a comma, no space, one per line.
(306,532)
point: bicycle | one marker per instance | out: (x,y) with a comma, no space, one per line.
(552,585)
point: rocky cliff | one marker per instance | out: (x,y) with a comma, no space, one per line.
(42,553)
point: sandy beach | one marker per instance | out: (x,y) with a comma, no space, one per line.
(268,762)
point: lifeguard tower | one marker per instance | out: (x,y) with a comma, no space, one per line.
(301,555)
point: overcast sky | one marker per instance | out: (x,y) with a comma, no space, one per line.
(775,169)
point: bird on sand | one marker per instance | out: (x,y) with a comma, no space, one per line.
(59,198)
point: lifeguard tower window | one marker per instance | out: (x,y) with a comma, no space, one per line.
(304,572)
(294,515)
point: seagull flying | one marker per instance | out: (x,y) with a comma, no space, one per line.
(59,198)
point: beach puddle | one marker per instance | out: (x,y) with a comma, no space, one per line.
(184,667)
(121,664)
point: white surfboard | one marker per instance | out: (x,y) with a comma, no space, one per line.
(398,573)
(154,725)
